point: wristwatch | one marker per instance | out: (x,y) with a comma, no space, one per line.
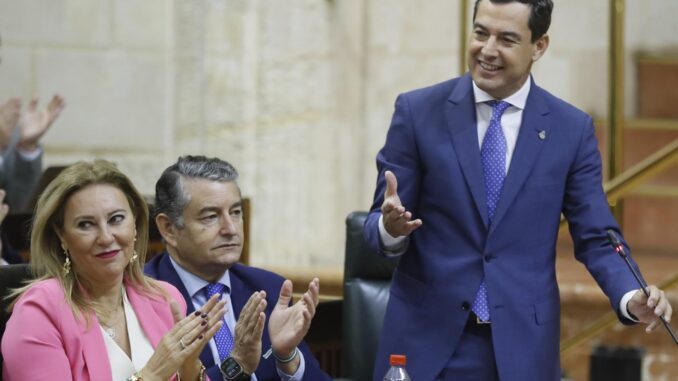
(232,370)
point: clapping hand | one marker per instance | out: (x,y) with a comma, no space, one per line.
(288,325)
(35,123)
(179,349)
(248,331)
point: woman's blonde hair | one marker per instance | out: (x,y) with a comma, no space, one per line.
(47,256)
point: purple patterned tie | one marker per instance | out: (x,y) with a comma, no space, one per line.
(223,337)
(493,157)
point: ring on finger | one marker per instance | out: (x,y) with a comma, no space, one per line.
(181,343)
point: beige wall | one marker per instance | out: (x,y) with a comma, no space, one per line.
(297,94)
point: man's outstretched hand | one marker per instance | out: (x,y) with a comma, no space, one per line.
(397,220)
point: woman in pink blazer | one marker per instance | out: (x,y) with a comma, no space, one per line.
(90,313)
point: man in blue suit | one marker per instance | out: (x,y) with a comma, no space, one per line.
(473,178)
(200,217)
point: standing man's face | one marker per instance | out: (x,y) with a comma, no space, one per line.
(212,237)
(500,53)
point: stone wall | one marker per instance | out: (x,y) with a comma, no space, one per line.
(298,94)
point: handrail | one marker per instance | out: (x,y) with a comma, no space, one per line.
(602,324)
(652,165)
(647,168)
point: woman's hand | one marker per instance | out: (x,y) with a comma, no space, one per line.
(180,348)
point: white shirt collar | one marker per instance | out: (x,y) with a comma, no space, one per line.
(517,99)
(194,283)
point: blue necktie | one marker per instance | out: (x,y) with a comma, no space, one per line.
(493,157)
(223,337)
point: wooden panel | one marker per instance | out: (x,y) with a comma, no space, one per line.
(657,88)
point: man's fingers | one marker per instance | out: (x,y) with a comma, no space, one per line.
(652,326)
(309,304)
(391,185)
(314,290)
(655,294)
(413,225)
(285,293)
(250,314)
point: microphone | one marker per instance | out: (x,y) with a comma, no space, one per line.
(619,248)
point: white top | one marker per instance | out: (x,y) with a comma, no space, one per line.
(122,367)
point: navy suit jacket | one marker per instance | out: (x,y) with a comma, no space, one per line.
(245,281)
(432,147)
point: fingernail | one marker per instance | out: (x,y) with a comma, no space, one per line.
(196,313)
(200,337)
(203,316)
(204,322)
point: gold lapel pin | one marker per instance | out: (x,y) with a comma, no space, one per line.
(542,134)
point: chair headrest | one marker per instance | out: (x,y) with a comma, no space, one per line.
(360,260)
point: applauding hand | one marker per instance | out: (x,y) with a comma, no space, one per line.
(35,123)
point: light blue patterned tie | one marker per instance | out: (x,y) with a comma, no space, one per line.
(493,157)
(223,337)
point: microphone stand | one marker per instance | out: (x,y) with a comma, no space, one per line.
(619,248)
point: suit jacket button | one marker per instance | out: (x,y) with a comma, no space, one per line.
(465,306)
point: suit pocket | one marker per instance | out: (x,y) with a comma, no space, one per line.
(407,288)
(547,311)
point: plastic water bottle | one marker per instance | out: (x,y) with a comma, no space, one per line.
(397,371)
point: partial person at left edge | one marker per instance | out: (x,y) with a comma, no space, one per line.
(21,155)
(20,150)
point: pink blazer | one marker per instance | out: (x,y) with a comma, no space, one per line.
(44,341)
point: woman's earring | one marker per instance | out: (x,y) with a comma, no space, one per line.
(134,257)
(67,263)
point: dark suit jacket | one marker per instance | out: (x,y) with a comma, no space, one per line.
(432,147)
(18,176)
(245,281)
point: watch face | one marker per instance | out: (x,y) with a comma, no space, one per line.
(231,369)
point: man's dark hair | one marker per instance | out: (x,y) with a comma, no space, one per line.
(540,15)
(170,196)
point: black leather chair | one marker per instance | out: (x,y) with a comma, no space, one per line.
(11,276)
(367,278)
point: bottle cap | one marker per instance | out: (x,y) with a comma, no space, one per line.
(398,360)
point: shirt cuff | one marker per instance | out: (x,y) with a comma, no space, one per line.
(624,304)
(30,155)
(393,246)
(298,375)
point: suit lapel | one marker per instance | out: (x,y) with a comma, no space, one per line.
(94,349)
(462,124)
(167,273)
(146,315)
(239,295)
(535,123)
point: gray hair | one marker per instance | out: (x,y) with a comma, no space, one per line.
(171,197)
